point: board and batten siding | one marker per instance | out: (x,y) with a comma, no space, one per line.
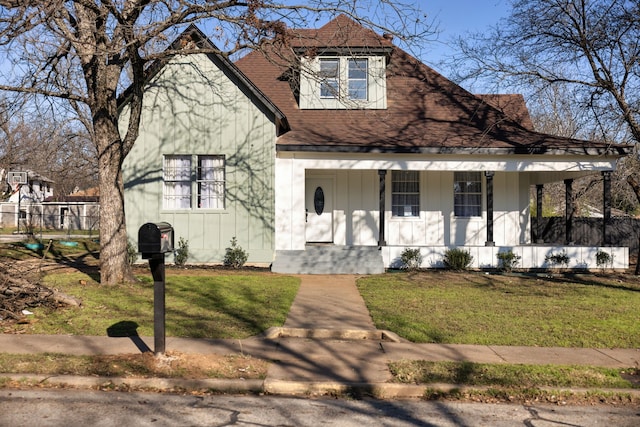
(192,107)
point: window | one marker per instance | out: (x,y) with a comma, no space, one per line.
(467,194)
(357,79)
(211,182)
(405,193)
(330,78)
(354,83)
(179,180)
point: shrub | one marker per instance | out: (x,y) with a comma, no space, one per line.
(508,260)
(411,259)
(132,253)
(561,259)
(603,259)
(457,259)
(235,256)
(182,252)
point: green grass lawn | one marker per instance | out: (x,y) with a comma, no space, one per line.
(476,308)
(214,305)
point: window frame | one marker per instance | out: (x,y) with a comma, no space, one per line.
(404,178)
(217,181)
(365,79)
(330,81)
(186,184)
(462,197)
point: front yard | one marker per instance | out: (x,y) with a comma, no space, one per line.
(586,310)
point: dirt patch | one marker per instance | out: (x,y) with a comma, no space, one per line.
(183,365)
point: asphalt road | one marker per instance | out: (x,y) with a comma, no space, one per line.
(72,408)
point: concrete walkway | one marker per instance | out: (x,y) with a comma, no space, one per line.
(328,342)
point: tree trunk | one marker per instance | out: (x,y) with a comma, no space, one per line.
(114,265)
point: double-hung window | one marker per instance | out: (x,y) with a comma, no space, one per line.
(467,194)
(357,79)
(180,182)
(344,77)
(329,78)
(405,193)
(211,182)
(177,182)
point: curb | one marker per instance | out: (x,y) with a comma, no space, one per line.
(220,385)
(275,387)
(336,334)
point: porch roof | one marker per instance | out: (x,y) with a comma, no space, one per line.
(426,113)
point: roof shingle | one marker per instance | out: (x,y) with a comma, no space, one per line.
(425,111)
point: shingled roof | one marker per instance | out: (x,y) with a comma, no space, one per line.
(426,112)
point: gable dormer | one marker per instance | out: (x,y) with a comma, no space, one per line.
(336,80)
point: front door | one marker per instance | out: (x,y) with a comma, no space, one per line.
(319,210)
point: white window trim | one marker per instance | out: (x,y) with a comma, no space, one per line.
(481,193)
(419,194)
(217,179)
(311,83)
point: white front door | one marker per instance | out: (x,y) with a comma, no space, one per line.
(319,210)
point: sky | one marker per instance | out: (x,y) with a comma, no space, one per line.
(457,17)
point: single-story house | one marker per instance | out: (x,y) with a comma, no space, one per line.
(335,150)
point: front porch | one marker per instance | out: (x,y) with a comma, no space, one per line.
(335,259)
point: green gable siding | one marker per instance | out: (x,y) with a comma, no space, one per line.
(192,107)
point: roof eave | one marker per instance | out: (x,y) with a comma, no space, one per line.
(613,150)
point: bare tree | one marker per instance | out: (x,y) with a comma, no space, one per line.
(84,52)
(589,47)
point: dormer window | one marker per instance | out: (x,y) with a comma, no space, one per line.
(330,78)
(357,79)
(343,82)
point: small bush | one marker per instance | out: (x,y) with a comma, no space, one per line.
(411,259)
(132,253)
(182,252)
(604,259)
(235,256)
(561,259)
(457,259)
(508,260)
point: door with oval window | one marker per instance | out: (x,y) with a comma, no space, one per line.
(319,210)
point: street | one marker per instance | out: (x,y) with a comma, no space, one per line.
(71,408)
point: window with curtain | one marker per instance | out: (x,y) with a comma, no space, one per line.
(211,182)
(405,193)
(357,79)
(177,182)
(467,194)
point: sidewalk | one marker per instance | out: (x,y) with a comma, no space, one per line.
(328,342)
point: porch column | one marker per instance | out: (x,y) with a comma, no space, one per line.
(489,176)
(568,211)
(382,174)
(539,229)
(606,210)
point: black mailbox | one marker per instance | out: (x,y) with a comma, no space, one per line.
(155,238)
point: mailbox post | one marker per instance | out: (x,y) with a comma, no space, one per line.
(155,239)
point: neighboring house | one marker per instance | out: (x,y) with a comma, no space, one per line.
(340,144)
(36,190)
(23,201)
(79,210)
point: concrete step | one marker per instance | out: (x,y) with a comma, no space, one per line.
(330,259)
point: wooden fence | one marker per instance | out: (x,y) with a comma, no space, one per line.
(622,231)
